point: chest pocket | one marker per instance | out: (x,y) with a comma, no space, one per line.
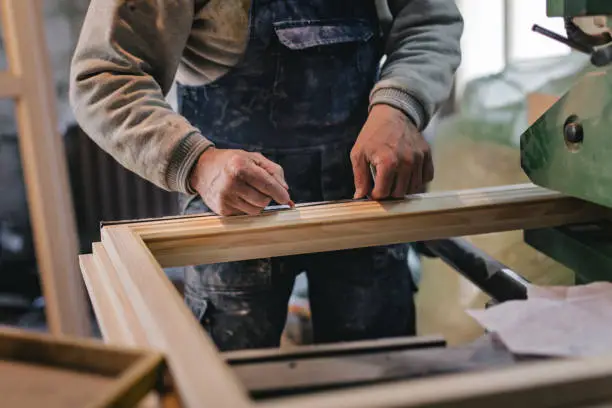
(324,73)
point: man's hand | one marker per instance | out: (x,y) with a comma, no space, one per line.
(233,182)
(395,148)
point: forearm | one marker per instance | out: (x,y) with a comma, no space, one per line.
(423,54)
(122,68)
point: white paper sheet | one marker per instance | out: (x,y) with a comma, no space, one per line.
(556,321)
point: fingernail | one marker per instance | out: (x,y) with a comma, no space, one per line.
(291,204)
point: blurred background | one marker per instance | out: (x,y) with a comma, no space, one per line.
(475,142)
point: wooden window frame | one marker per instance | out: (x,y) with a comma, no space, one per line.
(137,304)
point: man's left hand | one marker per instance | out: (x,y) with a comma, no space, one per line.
(397,150)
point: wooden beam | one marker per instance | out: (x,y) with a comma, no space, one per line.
(109,320)
(44,166)
(133,332)
(37,371)
(565,383)
(10,85)
(115,314)
(201,376)
(334,349)
(211,239)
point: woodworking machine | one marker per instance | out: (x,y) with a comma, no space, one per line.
(569,149)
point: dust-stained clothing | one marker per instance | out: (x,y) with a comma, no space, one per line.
(129,52)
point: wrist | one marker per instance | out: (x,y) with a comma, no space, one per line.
(196,171)
(393,114)
(403,101)
(389,111)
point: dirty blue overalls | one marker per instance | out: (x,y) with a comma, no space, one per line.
(300,97)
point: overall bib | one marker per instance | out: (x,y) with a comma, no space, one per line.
(300,97)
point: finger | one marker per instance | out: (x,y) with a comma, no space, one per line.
(252,196)
(228,210)
(272,168)
(402,182)
(428,168)
(416,181)
(261,180)
(245,207)
(361,175)
(385,175)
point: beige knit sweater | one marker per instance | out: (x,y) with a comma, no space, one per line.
(130,52)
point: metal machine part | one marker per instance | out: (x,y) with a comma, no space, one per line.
(586,248)
(491,276)
(569,148)
(575,8)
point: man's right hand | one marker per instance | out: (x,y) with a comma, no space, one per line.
(233,182)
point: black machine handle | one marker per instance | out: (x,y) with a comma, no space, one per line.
(490,275)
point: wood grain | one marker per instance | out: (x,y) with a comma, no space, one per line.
(211,239)
(41,370)
(44,166)
(118,323)
(132,331)
(343,348)
(110,320)
(26,386)
(201,376)
(10,85)
(541,385)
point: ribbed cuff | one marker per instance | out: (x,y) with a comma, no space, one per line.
(183,158)
(403,101)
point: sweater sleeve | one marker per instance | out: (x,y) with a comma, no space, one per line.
(423,53)
(123,67)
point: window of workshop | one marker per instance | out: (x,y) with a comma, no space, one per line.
(498,32)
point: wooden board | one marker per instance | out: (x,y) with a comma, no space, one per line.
(112,315)
(10,85)
(297,374)
(44,166)
(110,321)
(209,239)
(199,372)
(335,349)
(38,370)
(30,386)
